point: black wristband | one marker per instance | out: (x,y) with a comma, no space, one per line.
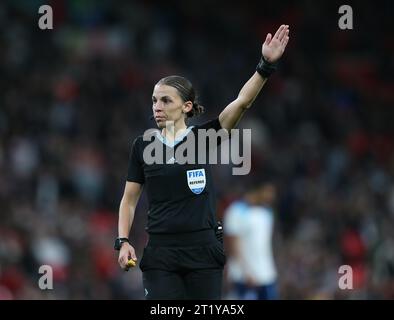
(119,242)
(265,68)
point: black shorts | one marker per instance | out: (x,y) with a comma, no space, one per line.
(183,266)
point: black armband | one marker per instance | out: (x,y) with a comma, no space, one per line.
(265,68)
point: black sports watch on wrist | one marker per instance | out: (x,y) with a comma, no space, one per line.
(119,242)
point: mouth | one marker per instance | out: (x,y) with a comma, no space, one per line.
(160,118)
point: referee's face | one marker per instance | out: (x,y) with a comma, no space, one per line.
(167,105)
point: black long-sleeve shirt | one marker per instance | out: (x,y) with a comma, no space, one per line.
(181,196)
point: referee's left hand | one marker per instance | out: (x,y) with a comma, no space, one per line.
(273,47)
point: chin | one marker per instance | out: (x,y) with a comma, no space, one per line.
(161,124)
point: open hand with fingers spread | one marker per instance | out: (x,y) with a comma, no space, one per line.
(273,47)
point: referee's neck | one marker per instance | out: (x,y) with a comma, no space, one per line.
(173,131)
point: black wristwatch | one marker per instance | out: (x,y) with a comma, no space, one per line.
(119,241)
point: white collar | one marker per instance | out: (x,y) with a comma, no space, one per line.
(176,141)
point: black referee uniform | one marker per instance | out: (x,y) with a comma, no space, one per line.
(183,259)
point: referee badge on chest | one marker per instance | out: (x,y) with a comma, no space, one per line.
(196,180)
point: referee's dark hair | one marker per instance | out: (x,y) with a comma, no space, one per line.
(186,92)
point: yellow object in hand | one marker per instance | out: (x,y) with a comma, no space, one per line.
(130,263)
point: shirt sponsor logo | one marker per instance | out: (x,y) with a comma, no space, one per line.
(196,180)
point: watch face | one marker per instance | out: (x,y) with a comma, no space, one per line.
(117,244)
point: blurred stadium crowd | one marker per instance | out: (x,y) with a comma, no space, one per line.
(74,98)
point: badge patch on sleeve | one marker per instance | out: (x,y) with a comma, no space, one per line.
(196,180)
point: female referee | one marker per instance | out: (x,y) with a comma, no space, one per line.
(184,257)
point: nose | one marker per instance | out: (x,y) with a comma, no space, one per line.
(157,107)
